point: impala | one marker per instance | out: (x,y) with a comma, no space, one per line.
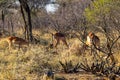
(92,39)
(57,38)
(12,40)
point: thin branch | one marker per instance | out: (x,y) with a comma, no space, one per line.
(114,42)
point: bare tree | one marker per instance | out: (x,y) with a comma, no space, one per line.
(28,24)
(107,23)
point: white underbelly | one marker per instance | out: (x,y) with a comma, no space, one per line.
(89,41)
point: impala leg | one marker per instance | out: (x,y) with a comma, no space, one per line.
(64,41)
(10,45)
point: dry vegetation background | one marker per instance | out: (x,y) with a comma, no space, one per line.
(74,18)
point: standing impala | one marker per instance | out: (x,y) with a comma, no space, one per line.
(92,39)
(57,38)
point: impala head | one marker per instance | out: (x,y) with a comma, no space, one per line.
(91,34)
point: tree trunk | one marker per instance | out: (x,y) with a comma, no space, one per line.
(25,28)
(27,21)
(30,24)
(3,19)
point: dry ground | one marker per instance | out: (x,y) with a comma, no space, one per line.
(31,63)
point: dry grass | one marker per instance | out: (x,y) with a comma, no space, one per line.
(31,63)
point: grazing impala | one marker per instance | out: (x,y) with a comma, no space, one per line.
(15,40)
(92,39)
(59,37)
